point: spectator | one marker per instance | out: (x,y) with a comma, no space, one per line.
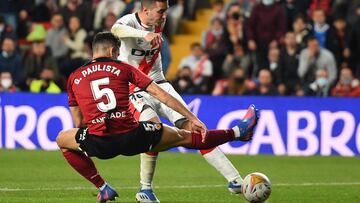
(324,5)
(236,84)
(81,9)
(54,38)
(354,45)
(200,66)
(105,7)
(39,59)
(23,24)
(237,59)
(289,62)
(320,28)
(266,28)
(108,22)
(235,32)
(213,44)
(218,7)
(314,58)
(292,8)
(46,83)
(11,60)
(274,64)
(348,85)
(336,42)
(44,10)
(353,11)
(245,6)
(6,83)
(265,85)
(183,83)
(321,86)
(212,37)
(301,31)
(8,13)
(5,29)
(75,42)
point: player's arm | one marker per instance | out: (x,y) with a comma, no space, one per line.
(123,31)
(164,97)
(77,116)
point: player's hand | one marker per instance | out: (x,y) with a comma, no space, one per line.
(199,127)
(154,39)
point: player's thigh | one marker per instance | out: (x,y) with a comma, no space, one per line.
(66,139)
(142,102)
(173,137)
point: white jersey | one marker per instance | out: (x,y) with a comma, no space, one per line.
(138,52)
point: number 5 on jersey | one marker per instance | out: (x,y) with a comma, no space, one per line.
(99,93)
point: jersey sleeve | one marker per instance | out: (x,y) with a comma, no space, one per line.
(71,96)
(126,20)
(137,77)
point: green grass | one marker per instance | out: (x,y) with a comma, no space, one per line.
(46,177)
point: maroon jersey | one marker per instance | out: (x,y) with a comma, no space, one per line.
(101,90)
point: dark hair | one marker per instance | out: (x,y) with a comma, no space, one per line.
(195,44)
(311,38)
(150,2)
(105,40)
(301,17)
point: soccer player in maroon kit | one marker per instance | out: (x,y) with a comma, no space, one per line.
(99,104)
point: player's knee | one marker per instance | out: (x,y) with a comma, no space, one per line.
(60,138)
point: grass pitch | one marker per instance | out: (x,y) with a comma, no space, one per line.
(39,176)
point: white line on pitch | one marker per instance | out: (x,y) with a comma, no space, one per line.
(4,189)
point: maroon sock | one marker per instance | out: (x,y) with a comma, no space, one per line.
(213,139)
(85,166)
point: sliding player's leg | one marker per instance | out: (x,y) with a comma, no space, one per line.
(68,144)
(173,137)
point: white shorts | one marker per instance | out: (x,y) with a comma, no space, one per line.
(141,98)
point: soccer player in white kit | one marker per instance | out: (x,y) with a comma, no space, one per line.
(140,35)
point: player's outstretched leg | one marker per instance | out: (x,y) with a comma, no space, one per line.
(172,137)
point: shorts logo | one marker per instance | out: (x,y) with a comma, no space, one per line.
(82,136)
(151,127)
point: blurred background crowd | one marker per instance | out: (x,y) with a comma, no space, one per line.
(251,47)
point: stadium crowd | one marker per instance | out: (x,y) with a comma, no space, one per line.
(252,47)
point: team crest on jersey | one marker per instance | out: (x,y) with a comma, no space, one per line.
(139,41)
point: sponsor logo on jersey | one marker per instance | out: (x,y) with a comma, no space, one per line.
(138,52)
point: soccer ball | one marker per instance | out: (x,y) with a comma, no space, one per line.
(256,187)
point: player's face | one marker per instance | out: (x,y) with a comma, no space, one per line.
(157,13)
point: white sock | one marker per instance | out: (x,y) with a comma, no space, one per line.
(236,131)
(221,163)
(147,170)
(103,186)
